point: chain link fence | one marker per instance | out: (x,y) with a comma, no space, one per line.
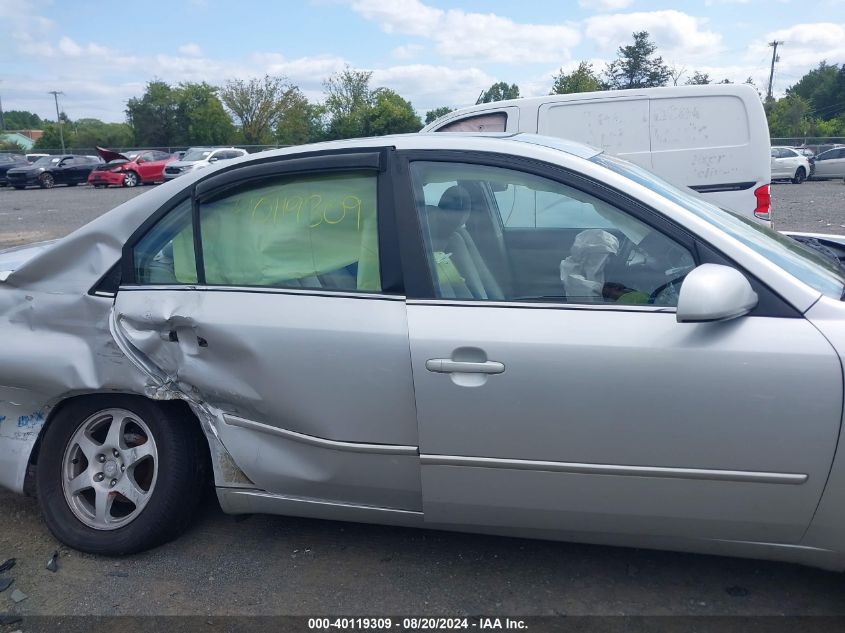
(92,151)
(816,144)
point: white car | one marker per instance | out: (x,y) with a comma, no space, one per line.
(831,164)
(789,164)
(199,158)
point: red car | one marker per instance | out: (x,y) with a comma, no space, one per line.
(129,169)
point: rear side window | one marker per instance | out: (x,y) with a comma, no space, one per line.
(316,232)
(495,122)
(165,255)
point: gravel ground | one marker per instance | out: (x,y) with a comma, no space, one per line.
(275,565)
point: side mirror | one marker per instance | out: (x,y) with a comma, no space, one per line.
(714,293)
(213,159)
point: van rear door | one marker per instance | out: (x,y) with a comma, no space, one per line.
(618,125)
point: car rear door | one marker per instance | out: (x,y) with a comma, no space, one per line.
(272,295)
(831,164)
(590,409)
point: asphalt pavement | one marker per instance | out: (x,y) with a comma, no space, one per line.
(265,565)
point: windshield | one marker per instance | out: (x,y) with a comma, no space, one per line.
(196,154)
(812,268)
(46,161)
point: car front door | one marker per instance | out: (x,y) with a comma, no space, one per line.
(831,164)
(272,295)
(558,394)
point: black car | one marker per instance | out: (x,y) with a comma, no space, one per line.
(53,170)
(7,162)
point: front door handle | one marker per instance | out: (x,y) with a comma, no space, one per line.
(449,366)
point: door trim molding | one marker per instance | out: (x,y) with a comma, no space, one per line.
(709,474)
(320,442)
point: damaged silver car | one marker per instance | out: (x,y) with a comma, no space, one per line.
(507,334)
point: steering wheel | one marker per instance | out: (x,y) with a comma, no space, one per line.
(674,284)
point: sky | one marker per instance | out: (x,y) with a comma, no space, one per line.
(432,52)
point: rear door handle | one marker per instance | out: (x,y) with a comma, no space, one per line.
(449,366)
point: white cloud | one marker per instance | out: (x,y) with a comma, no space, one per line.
(605,5)
(407,51)
(428,86)
(674,32)
(190,49)
(463,36)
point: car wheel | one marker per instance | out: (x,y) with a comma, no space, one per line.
(131,179)
(46,181)
(120,474)
(800,176)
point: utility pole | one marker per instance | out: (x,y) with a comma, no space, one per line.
(56,94)
(2,120)
(774,44)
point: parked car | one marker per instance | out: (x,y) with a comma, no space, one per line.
(830,164)
(516,335)
(31,158)
(200,158)
(129,169)
(789,164)
(49,171)
(811,158)
(712,140)
(7,162)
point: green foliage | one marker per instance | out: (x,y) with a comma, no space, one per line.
(22,120)
(582,79)
(153,116)
(636,66)
(698,79)
(200,118)
(391,114)
(300,121)
(824,89)
(50,139)
(8,145)
(500,91)
(258,105)
(432,115)
(789,116)
(354,109)
(348,103)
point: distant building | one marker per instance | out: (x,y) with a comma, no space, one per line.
(24,138)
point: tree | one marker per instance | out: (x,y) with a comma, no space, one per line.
(698,79)
(824,89)
(354,109)
(435,114)
(153,116)
(499,92)
(300,121)
(789,116)
(582,79)
(636,66)
(87,133)
(676,72)
(22,120)
(50,139)
(391,114)
(348,102)
(200,116)
(257,105)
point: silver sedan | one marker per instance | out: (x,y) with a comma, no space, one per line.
(507,334)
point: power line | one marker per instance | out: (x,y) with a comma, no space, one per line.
(774,44)
(56,94)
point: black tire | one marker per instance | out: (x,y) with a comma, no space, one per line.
(800,176)
(180,486)
(46,181)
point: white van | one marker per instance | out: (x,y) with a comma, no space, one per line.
(711,139)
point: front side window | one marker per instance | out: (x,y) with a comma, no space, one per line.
(504,235)
(316,232)
(165,255)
